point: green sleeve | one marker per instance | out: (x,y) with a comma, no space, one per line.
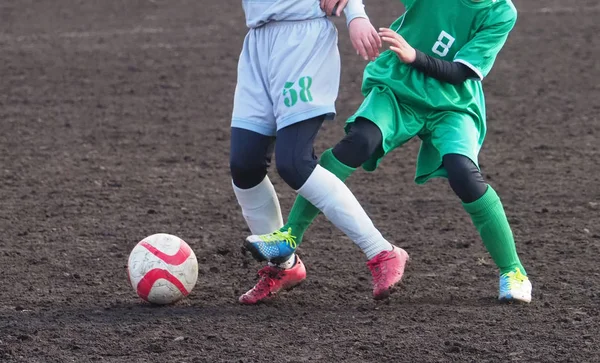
(481,51)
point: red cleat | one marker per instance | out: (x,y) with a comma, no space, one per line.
(387,269)
(272,280)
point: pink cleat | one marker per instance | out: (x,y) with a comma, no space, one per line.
(387,269)
(272,280)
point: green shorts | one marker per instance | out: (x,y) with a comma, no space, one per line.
(441,132)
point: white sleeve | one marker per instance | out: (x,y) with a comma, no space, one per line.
(354,9)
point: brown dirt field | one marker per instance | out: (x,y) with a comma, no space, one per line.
(114,125)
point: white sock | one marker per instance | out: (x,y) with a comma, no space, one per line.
(328,193)
(289,263)
(260,207)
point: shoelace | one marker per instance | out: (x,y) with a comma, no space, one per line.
(377,273)
(377,267)
(267,275)
(514,277)
(279,236)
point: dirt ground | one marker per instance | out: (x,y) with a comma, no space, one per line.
(114,125)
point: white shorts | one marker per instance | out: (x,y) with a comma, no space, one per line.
(288,71)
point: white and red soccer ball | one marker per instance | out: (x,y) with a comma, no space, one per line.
(162,269)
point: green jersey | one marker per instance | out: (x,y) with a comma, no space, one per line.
(465,31)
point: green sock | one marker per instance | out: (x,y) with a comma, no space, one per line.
(488,217)
(303,212)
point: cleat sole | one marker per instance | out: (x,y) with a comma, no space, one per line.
(514,301)
(385,294)
(271,296)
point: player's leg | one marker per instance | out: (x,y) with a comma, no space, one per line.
(253,129)
(360,143)
(250,157)
(457,141)
(298,167)
(252,144)
(483,204)
(487,213)
(296,161)
(303,212)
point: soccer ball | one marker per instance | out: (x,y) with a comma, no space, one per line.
(162,269)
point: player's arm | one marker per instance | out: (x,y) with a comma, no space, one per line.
(363,35)
(451,72)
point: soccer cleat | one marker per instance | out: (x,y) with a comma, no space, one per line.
(515,286)
(272,280)
(387,269)
(274,247)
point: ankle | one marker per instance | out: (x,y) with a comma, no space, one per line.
(514,268)
(287,264)
(296,230)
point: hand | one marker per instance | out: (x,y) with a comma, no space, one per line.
(328,6)
(398,45)
(364,38)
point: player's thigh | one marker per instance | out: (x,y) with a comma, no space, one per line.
(304,71)
(457,133)
(252,106)
(447,133)
(398,123)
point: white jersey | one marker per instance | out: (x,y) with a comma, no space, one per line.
(260,12)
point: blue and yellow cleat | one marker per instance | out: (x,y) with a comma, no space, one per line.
(274,247)
(515,287)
